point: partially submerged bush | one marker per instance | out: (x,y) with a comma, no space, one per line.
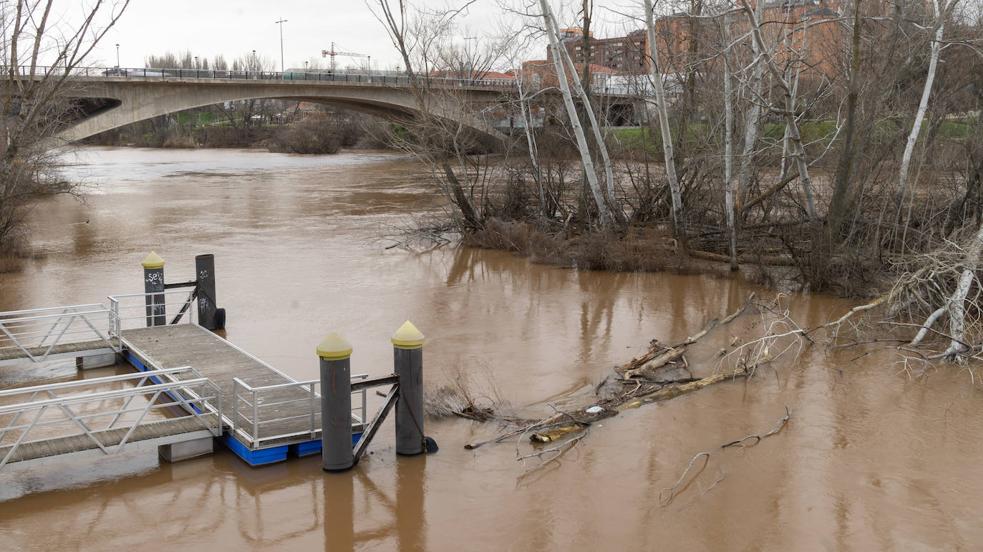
(315,134)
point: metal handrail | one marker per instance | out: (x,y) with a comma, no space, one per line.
(123,307)
(95,309)
(89,397)
(36,333)
(251,397)
(42,309)
(298,75)
(96,381)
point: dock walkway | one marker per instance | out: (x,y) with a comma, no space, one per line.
(185,428)
(287,414)
(67,349)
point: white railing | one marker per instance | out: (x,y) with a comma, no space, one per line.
(43,412)
(142,310)
(39,334)
(284,412)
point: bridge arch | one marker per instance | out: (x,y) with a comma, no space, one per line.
(131,101)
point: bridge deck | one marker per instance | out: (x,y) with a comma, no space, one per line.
(215,358)
(109,437)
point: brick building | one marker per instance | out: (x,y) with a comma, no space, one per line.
(628,55)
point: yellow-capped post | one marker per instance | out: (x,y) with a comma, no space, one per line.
(408,363)
(335,355)
(153,287)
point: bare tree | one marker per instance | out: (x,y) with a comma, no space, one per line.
(558,53)
(796,148)
(38,99)
(942,12)
(437,130)
(663,113)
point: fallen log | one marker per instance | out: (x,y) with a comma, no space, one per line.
(649,368)
(557,427)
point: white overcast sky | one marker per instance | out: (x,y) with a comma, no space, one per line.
(236,27)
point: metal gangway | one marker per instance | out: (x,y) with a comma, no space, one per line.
(106,414)
(46,334)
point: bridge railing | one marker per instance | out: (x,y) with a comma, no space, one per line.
(102,412)
(141,310)
(284,412)
(382,78)
(40,334)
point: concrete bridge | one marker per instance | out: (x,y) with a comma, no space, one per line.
(123,96)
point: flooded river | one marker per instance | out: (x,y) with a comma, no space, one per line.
(871,459)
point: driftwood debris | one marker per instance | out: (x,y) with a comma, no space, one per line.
(662,373)
(694,468)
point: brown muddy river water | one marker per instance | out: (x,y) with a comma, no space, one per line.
(871,459)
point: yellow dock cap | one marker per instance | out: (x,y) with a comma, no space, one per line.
(334,347)
(152,261)
(408,337)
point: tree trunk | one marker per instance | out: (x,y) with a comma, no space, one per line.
(840,203)
(602,147)
(532,148)
(916,127)
(729,207)
(957,303)
(582,146)
(795,138)
(753,117)
(663,112)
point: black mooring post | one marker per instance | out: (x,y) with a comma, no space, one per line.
(153,286)
(205,276)
(408,360)
(336,403)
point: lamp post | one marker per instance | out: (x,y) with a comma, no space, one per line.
(469,56)
(117,55)
(254,62)
(280,23)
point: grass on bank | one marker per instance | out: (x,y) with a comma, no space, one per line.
(813,132)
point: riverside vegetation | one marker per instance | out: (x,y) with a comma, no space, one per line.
(860,175)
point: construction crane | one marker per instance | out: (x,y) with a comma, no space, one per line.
(332,53)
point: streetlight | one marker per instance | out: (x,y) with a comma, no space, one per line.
(280,23)
(196,63)
(117,55)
